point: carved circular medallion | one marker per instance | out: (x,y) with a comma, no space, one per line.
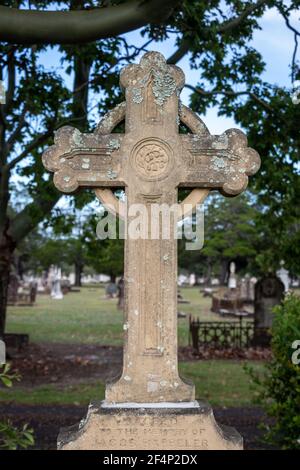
(151,158)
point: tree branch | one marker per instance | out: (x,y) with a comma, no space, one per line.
(252,95)
(234,22)
(182,50)
(16,133)
(34,212)
(296,34)
(227,25)
(41,138)
(79,26)
(30,147)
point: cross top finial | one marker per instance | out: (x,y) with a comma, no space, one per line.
(165,80)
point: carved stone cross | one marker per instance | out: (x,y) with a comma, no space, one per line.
(151,161)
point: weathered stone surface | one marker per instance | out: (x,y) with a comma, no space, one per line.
(116,428)
(151,160)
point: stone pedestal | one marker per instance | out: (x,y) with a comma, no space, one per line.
(148,426)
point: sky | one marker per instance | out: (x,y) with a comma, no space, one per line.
(274,41)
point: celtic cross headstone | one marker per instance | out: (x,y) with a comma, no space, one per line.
(151,160)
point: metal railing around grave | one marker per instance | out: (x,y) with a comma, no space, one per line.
(230,334)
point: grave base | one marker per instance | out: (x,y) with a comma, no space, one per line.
(149,426)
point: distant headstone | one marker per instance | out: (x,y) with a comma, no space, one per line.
(13,288)
(251,288)
(284,276)
(121,293)
(247,284)
(111,290)
(32,291)
(54,280)
(269,292)
(214,281)
(243,289)
(232,281)
(41,285)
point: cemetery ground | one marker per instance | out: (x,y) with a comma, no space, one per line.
(76,346)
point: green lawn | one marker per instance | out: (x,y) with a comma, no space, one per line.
(222,383)
(87,317)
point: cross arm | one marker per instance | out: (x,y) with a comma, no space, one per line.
(221,162)
(87,160)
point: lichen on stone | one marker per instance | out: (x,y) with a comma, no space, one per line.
(163,86)
(114,144)
(111,174)
(77,138)
(137,96)
(218,163)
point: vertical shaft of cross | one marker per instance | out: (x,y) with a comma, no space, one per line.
(150,354)
(150,370)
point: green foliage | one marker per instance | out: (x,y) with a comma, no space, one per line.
(230,233)
(105,256)
(269,117)
(12,438)
(280,386)
(7,377)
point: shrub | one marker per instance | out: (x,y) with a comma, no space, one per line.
(280,385)
(12,438)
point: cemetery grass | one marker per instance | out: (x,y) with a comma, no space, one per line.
(89,318)
(222,383)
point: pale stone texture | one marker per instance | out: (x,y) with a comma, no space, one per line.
(145,428)
(151,160)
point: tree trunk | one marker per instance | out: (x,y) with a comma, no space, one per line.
(224,271)
(78,272)
(6,251)
(113,278)
(208,273)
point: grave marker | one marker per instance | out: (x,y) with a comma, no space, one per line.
(151,161)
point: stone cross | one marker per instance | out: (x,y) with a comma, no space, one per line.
(151,160)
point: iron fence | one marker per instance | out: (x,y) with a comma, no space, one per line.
(230,334)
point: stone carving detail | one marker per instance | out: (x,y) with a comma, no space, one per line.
(151,160)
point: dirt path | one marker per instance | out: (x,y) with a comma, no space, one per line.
(47,420)
(68,364)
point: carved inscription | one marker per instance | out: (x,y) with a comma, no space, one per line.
(144,431)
